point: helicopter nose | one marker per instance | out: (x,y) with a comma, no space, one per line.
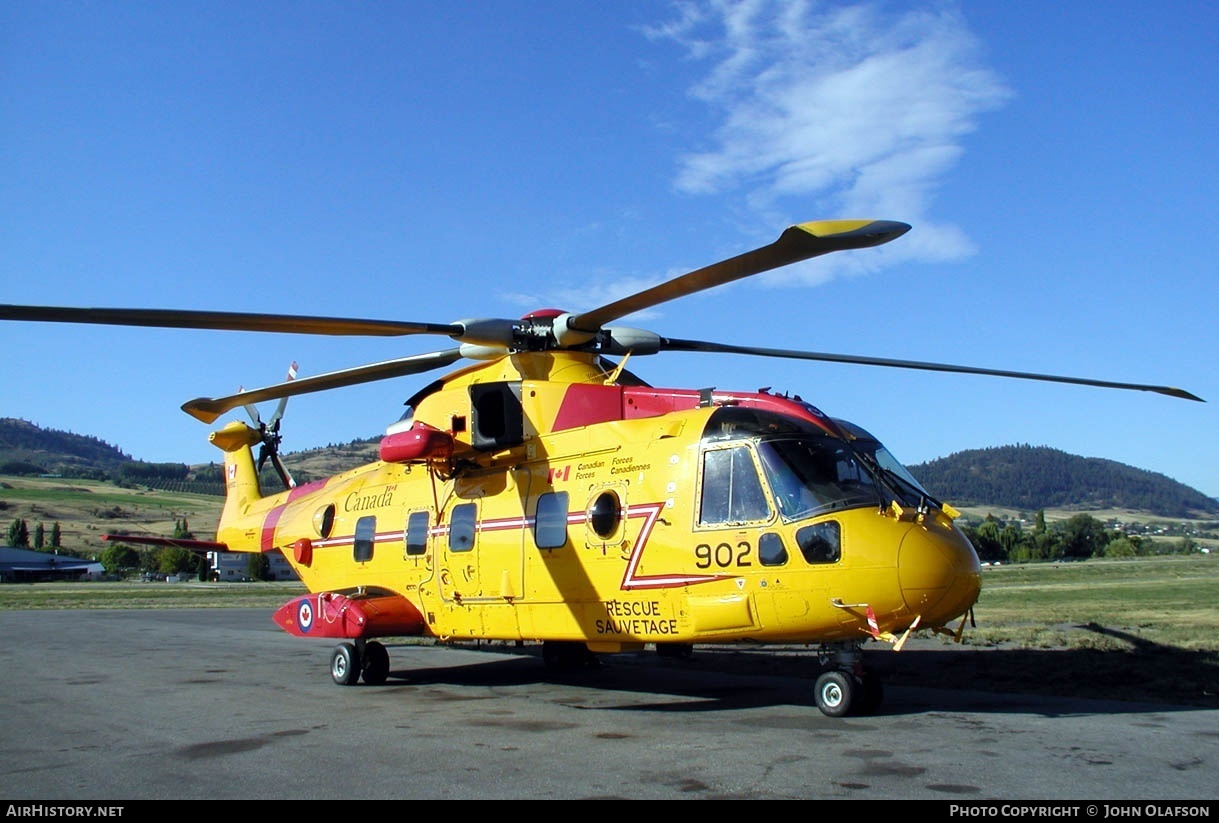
(939,573)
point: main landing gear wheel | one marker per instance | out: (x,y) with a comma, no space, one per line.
(345,664)
(835,691)
(376,664)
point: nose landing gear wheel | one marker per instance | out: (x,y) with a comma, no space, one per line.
(834,692)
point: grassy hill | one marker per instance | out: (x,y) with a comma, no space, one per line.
(52,451)
(1037,477)
(87,509)
(315,464)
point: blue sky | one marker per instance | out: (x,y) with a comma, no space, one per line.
(433,161)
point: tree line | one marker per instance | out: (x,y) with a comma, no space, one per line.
(19,536)
(1079,537)
(121,560)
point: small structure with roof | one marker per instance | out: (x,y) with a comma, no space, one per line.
(29,566)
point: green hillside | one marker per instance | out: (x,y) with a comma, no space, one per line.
(1036,477)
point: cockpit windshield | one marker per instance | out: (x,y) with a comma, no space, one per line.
(811,475)
(896,476)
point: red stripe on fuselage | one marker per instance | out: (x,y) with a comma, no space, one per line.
(649,513)
(267,537)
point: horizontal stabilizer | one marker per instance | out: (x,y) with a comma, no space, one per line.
(178,542)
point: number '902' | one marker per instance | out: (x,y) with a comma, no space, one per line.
(723,555)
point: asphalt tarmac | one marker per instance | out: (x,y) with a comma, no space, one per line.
(219,704)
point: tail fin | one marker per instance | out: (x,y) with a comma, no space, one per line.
(241,487)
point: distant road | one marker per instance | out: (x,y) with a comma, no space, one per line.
(220,704)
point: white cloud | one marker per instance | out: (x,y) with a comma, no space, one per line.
(859,108)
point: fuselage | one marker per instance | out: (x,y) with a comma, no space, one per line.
(560,506)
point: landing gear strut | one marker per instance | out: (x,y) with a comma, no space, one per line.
(846,687)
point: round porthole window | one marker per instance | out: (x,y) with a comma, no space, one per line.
(323,520)
(605,514)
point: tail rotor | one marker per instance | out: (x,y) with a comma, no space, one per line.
(270,437)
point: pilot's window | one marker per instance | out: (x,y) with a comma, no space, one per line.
(416,533)
(461,528)
(732,492)
(771,551)
(550,525)
(812,475)
(366,533)
(821,542)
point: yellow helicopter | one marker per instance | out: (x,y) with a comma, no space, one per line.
(544,493)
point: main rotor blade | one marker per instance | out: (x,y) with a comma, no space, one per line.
(671,344)
(796,243)
(208,409)
(229,321)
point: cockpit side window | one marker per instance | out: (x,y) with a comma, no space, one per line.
(771,551)
(731,489)
(820,542)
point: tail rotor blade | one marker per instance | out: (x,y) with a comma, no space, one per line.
(283,401)
(251,410)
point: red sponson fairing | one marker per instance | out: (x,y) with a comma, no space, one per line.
(420,442)
(329,614)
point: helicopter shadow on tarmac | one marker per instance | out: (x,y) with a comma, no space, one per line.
(929,677)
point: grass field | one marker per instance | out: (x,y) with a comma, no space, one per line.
(87,509)
(1137,630)
(1095,604)
(1142,630)
(150,595)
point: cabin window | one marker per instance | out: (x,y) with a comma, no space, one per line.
(771,551)
(821,542)
(323,520)
(366,534)
(731,491)
(461,528)
(550,524)
(416,534)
